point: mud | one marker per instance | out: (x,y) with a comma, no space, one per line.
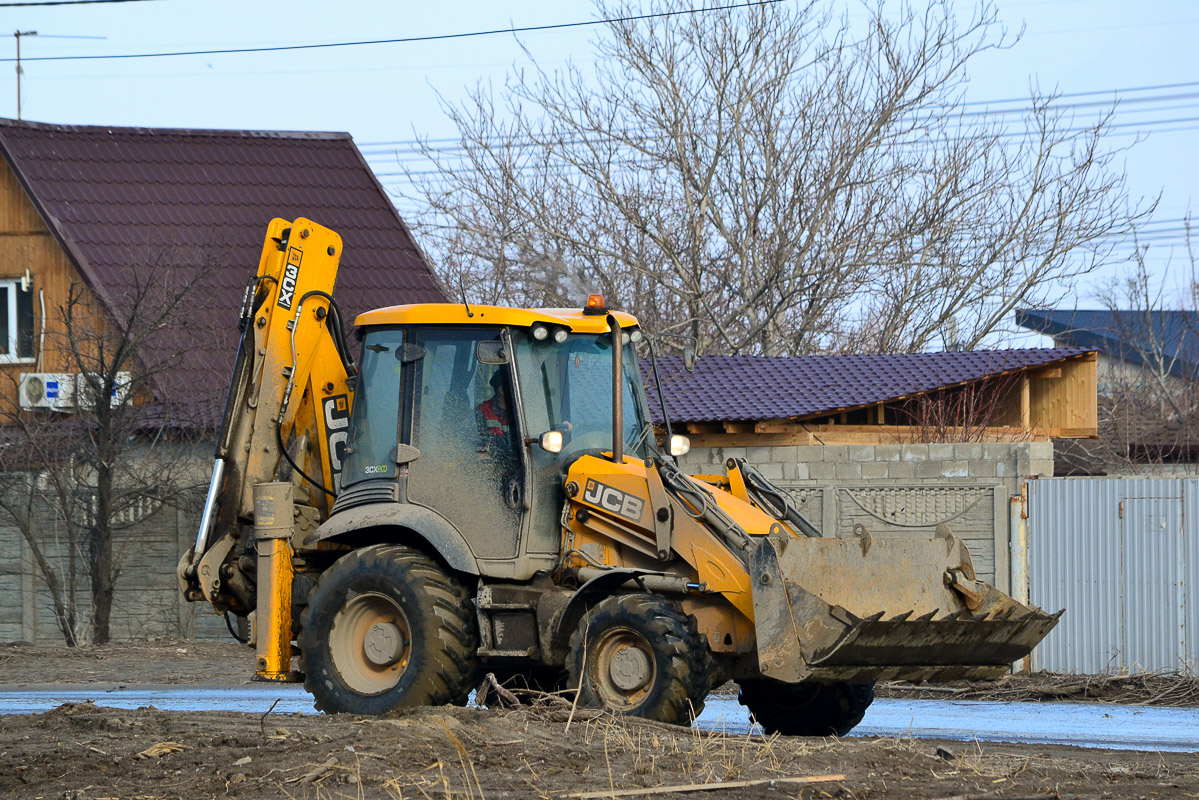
(83,751)
(86,752)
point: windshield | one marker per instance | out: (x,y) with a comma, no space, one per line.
(568,387)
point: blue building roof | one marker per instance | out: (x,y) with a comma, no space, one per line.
(1131,336)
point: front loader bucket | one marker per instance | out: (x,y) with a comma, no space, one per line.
(861,609)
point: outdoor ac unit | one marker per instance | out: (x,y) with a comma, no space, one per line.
(83,389)
(47,390)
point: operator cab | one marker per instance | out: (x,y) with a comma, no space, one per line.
(452,404)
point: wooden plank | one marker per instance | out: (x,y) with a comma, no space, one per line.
(750,439)
(703,787)
(1025,403)
(1048,372)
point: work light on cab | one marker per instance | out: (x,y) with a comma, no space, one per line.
(595,306)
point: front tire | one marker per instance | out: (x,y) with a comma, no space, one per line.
(386,628)
(640,655)
(806,709)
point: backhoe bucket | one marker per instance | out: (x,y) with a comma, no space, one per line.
(862,609)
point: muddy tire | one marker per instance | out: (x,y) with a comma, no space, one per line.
(386,628)
(806,709)
(640,655)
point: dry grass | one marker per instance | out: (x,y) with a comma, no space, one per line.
(1140,688)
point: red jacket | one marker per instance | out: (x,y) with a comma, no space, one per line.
(496,420)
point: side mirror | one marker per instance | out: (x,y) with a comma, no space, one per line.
(492,352)
(689,359)
(550,441)
(679,445)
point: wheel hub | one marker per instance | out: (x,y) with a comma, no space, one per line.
(629,669)
(384,644)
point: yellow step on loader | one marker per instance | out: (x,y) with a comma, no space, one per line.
(486,493)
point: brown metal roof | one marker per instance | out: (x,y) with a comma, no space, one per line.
(121,199)
(732,388)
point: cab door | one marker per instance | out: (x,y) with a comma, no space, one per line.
(471,468)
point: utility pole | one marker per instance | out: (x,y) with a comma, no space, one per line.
(18,35)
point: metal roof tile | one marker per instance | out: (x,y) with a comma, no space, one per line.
(762,387)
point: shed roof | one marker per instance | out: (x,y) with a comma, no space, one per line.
(1126,335)
(118,199)
(733,388)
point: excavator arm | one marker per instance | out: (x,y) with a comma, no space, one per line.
(286,415)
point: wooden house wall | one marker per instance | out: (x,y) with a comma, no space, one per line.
(26,243)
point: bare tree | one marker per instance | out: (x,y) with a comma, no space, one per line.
(774,180)
(1149,397)
(969,413)
(74,484)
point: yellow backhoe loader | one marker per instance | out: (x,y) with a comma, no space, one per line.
(486,492)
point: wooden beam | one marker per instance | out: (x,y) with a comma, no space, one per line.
(1025,403)
(1048,372)
(750,439)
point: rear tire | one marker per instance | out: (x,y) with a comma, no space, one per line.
(386,628)
(806,709)
(640,655)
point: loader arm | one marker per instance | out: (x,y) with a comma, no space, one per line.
(286,413)
(820,608)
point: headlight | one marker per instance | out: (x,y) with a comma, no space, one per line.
(635,335)
(551,441)
(540,332)
(679,445)
(560,335)
(624,337)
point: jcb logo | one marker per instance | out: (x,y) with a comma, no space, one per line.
(291,274)
(337,423)
(614,500)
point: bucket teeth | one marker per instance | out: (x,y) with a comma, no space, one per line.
(928,616)
(959,614)
(875,617)
(901,617)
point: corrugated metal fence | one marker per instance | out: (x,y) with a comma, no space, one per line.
(1122,557)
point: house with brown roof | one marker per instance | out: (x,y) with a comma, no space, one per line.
(100,207)
(102,212)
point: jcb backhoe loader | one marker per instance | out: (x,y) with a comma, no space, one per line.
(486,492)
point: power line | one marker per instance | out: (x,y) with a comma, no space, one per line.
(67,3)
(1093,93)
(412,145)
(412,155)
(405,40)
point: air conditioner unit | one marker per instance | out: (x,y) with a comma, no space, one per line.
(83,389)
(54,390)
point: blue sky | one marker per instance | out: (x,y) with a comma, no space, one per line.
(389,93)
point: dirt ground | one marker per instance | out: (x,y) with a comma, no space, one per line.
(85,752)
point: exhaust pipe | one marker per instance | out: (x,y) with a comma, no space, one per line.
(617,393)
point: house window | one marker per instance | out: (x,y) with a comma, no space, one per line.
(16,320)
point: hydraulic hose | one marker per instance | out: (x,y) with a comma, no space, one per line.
(774,501)
(699,504)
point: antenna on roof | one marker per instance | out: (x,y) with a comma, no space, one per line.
(462,293)
(17,35)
